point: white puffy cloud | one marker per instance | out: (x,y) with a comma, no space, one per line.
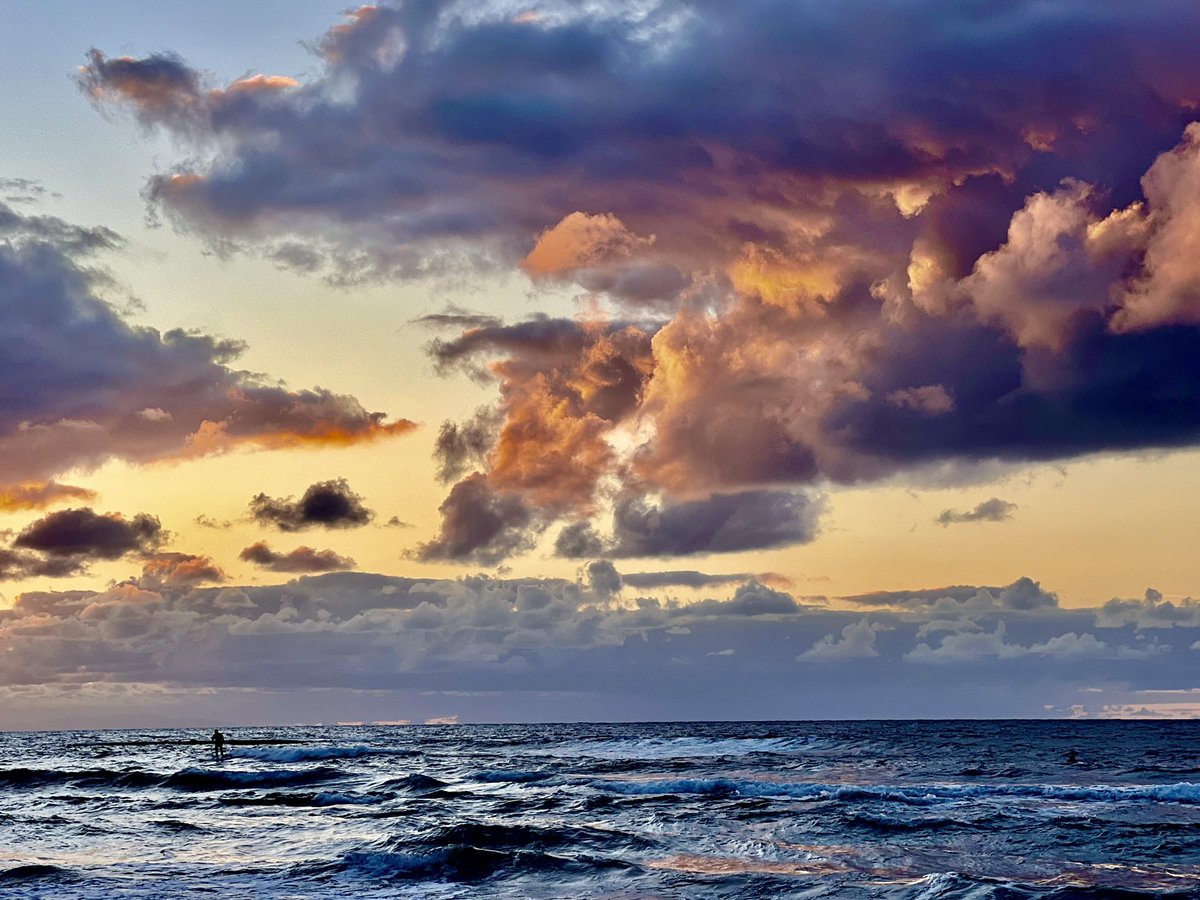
(857,642)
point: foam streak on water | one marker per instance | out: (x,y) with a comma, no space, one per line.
(930,810)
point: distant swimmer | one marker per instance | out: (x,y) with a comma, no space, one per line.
(1072,758)
(218,743)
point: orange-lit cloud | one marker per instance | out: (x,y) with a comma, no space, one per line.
(96,388)
(40,494)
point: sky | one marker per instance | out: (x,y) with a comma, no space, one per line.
(535,361)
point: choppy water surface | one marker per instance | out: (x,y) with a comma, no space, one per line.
(762,809)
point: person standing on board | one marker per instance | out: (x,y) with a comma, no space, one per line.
(218,740)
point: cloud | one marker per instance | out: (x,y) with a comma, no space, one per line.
(1022,595)
(857,642)
(18,566)
(39,495)
(582,241)
(521,641)
(964,646)
(1151,611)
(991,510)
(753,599)
(179,569)
(947,257)
(326,504)
(598,111)
(683,578)
(480,525)
(301,559)
(83,533)
(460,447)
(96,388)
(458,319)
(722,523)
(603,578)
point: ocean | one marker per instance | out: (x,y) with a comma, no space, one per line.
(929,810)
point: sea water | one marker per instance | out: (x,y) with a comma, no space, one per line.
(751,809)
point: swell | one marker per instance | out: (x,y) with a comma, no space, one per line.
(915,795)
(474,851)
(35,872)
(34,778)
(219,779)
(190,779)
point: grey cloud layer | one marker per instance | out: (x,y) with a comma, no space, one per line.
(515,639)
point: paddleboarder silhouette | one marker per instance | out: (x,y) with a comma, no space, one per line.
(218,740)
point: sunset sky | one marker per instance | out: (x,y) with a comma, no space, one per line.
(644,360)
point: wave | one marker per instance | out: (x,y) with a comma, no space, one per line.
(681,747)
(955,886)
(499,776)
(220,779)
(415,782)
(34,872)
(916,794)
(477,851)
(313,754)
(21,778)
(178,825)
(317,799)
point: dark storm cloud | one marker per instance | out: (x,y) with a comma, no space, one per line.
(88,386)
(301,559)
(85,534)
(326,504)
(991,510)
(723,523)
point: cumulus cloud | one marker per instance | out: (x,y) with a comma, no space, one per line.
(326,504)
(301,559)
(1150,611)
(857,642)
(603,578)
(848,284)
(146,396)
(991,510)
